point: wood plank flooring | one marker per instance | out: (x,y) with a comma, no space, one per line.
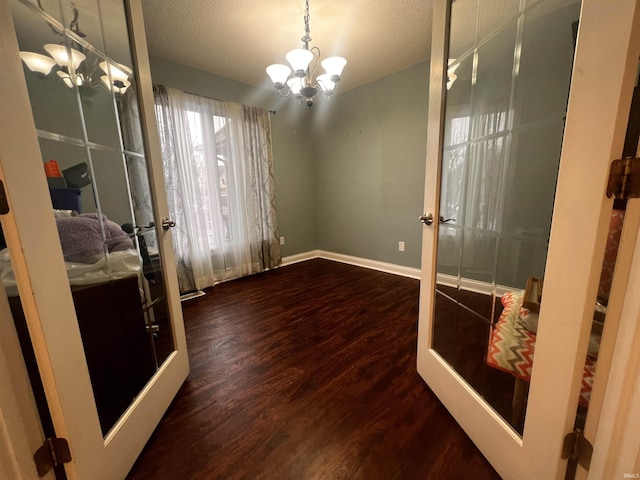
(307,372)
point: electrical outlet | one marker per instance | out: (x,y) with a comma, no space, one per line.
(281,240)
(401,246)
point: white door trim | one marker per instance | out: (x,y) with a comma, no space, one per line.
(617,443)
(20,429)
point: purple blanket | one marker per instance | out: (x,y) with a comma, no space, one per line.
(82,240)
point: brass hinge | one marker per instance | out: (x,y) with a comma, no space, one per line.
(577,447)
(624,178)
(53,452)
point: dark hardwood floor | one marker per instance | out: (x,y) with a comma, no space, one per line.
(307,372)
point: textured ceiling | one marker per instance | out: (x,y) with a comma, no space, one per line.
(238,39)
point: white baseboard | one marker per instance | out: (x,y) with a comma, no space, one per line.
(357,261)
(191,295)
(300,257)
(472,285)
(449,280)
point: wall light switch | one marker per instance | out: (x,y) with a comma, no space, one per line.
(281,240)
(401,246)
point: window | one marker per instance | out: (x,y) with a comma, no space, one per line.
(218,170)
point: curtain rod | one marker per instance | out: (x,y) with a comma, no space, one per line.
(220,100)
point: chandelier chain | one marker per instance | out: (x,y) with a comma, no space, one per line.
(73,25)
(307,32)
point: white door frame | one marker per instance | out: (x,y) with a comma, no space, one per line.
(613,427)
(20,428)
(594,136)
(31,235)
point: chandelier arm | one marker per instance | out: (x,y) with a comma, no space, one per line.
(316,60)
(286,89)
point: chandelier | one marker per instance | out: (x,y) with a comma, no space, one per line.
(68,61)
(303,85)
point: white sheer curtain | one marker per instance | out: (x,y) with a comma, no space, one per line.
(471,189)
(473,167)
(219,175)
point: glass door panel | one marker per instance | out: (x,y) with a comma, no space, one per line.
(85,108)
(507,90)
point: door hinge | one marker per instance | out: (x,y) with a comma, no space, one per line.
(624,178)
(53,452)
(577,447)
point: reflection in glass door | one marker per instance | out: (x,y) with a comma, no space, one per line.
(509,71)
(80,77)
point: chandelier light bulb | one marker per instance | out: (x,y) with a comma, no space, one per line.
(299,59)
(452,77)
(326,84)
(334,66)
(61,55)
(70,80)
(65,78)
(295,84)
(37,63)
(451,70)
(120,72)
(118,86)
(278,74)
(121,87)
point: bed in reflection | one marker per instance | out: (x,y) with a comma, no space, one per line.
(117,314)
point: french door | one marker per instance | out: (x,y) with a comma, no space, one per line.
(105,323)
(528,106)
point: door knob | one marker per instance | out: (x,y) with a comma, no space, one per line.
(446,220)
(167,223)
(427,219)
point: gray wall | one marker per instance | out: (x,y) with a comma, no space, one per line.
(370,152)
(349,173)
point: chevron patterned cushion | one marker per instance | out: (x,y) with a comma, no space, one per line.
(511,346)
